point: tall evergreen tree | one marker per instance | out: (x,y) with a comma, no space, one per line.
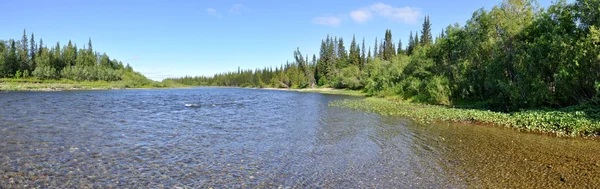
(341,54)
(411,44)
(41,46)
(417,42)
(426,38)
(363,56)
(332,58)
(321,69)
(33,49)
(388,50)
(11,61)
(380,53)
(400,51)
(24,53)
(90,45)
(375,48)
(354,53)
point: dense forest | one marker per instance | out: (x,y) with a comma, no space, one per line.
(27,58)
(514,56)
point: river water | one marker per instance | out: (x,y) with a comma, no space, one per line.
(231,138)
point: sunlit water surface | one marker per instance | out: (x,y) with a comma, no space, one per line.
(214,137)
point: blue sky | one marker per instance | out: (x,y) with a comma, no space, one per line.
(177,38)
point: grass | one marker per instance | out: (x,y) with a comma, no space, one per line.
(581,120)
(32,84)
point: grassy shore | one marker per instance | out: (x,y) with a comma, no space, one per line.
(31,84)
(581,120)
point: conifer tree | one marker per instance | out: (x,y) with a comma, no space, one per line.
(426,38)
(411,44)
(363,57)
(400,51)
(417,42)
(341,54)
(375,48)
(24,53)
(33,50)
(354,53)
(388,50)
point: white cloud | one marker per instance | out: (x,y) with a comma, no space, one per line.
(407,15)
(327,21)
(361,16)
(213,12)
(238,9)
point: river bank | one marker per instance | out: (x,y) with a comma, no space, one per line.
(69,85)
(581,120)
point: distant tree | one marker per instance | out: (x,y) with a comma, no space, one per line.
(32,52)
(417,42)
(375,51)
(363,56)
(388,50)
(426,38)
(411,44)
(342,54)
(354,53)
(24,53)
(400,51)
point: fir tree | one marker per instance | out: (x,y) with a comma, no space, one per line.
(411,44)
(388,49)
(426,38)
(354,53)
(24,53)
(375,48)
(363,57)
(400,47)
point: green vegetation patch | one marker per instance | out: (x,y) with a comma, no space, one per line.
(581,120)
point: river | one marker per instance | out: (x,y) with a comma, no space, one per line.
(223,138)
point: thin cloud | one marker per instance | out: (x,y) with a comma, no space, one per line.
(213,12)
(331,21)
(361,16)
(238,9)
(407,15)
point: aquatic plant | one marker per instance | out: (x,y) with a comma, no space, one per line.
(581,120)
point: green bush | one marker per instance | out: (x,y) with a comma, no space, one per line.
(45,72)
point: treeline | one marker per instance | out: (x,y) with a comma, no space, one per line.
(516,55)
(28,58)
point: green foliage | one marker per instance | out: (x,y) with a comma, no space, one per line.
(28,59)
(582,120)
(514,56)
(45,72)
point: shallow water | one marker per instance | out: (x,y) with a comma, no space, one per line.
(208,137)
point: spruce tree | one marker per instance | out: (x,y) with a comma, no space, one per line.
(388,50)
(411,44)
(12,62)
(417,42)
(426,38)
(380,53)
(375,48)
(363,57)
(33,50)
(41,46)
(341,54)
(24,53)
(354,53)
(369,56)
(400,47)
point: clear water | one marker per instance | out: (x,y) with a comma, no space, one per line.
(261,138)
